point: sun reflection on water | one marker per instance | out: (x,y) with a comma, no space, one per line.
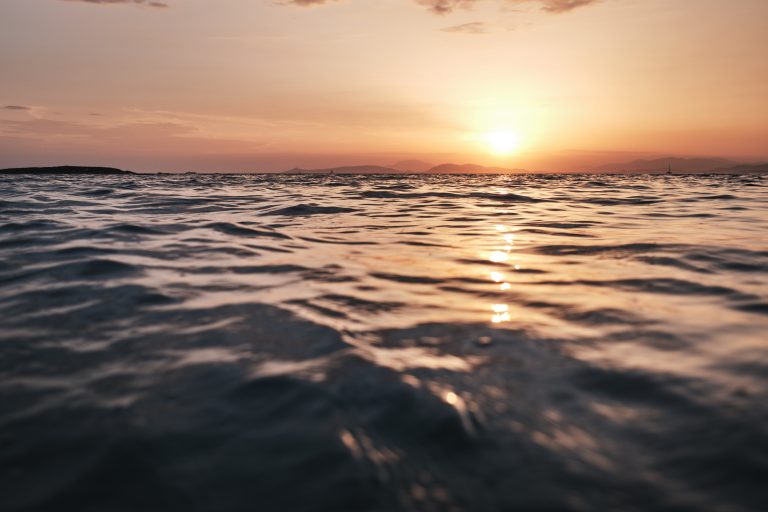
(498,256)
(500,308)
(500,311)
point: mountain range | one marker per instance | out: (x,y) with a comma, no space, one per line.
(410,167)
(675,164)
(348,169)
(660,165)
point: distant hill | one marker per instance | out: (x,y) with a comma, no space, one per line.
(64,169)
(412,166)
(679,165)
(744,169)
(470,168)
(350,169)
(408,166)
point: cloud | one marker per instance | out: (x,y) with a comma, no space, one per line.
(16,107)
(148,3)
(305,3)
(73,129)
(476,27)
(447,6)
(436,6)
(557,6)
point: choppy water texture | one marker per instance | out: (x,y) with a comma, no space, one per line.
(435,343)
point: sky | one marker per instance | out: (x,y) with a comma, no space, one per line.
(266,85)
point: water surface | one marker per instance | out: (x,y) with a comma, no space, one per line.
(333,343)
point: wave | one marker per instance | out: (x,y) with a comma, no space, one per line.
(309,209)
(412,343)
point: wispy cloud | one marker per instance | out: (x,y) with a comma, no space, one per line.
(305,3)
(475,27)
(551,6)
(447,6)
(556,6)
(16,107)
(148,3)
(436,6)
(69,129)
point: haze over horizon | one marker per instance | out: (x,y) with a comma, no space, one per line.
(259,85)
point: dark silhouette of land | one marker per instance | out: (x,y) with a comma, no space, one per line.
(658,166)
(349,169)
(472,169)
(680,165)
(64,169)
(744,169)
(412,166)
(403,168)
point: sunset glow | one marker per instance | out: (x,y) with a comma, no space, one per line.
(248,85)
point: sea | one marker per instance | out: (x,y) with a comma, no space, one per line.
(318,343)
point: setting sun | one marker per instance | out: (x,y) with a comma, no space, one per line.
(502,142)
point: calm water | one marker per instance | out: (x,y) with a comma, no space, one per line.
(329,343)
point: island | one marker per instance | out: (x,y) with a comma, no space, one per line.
(64,169)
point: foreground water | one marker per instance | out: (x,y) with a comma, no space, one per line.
(329,343)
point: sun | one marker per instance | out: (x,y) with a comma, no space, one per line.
(502,142)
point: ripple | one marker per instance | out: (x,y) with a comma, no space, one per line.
(660,285)
(309,209)
(588,250)
(233,229)
(216,342)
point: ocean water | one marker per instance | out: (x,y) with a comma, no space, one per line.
(374,343)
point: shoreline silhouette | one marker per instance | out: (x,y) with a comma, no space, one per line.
(660,166)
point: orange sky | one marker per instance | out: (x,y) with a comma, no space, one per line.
(269,85)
